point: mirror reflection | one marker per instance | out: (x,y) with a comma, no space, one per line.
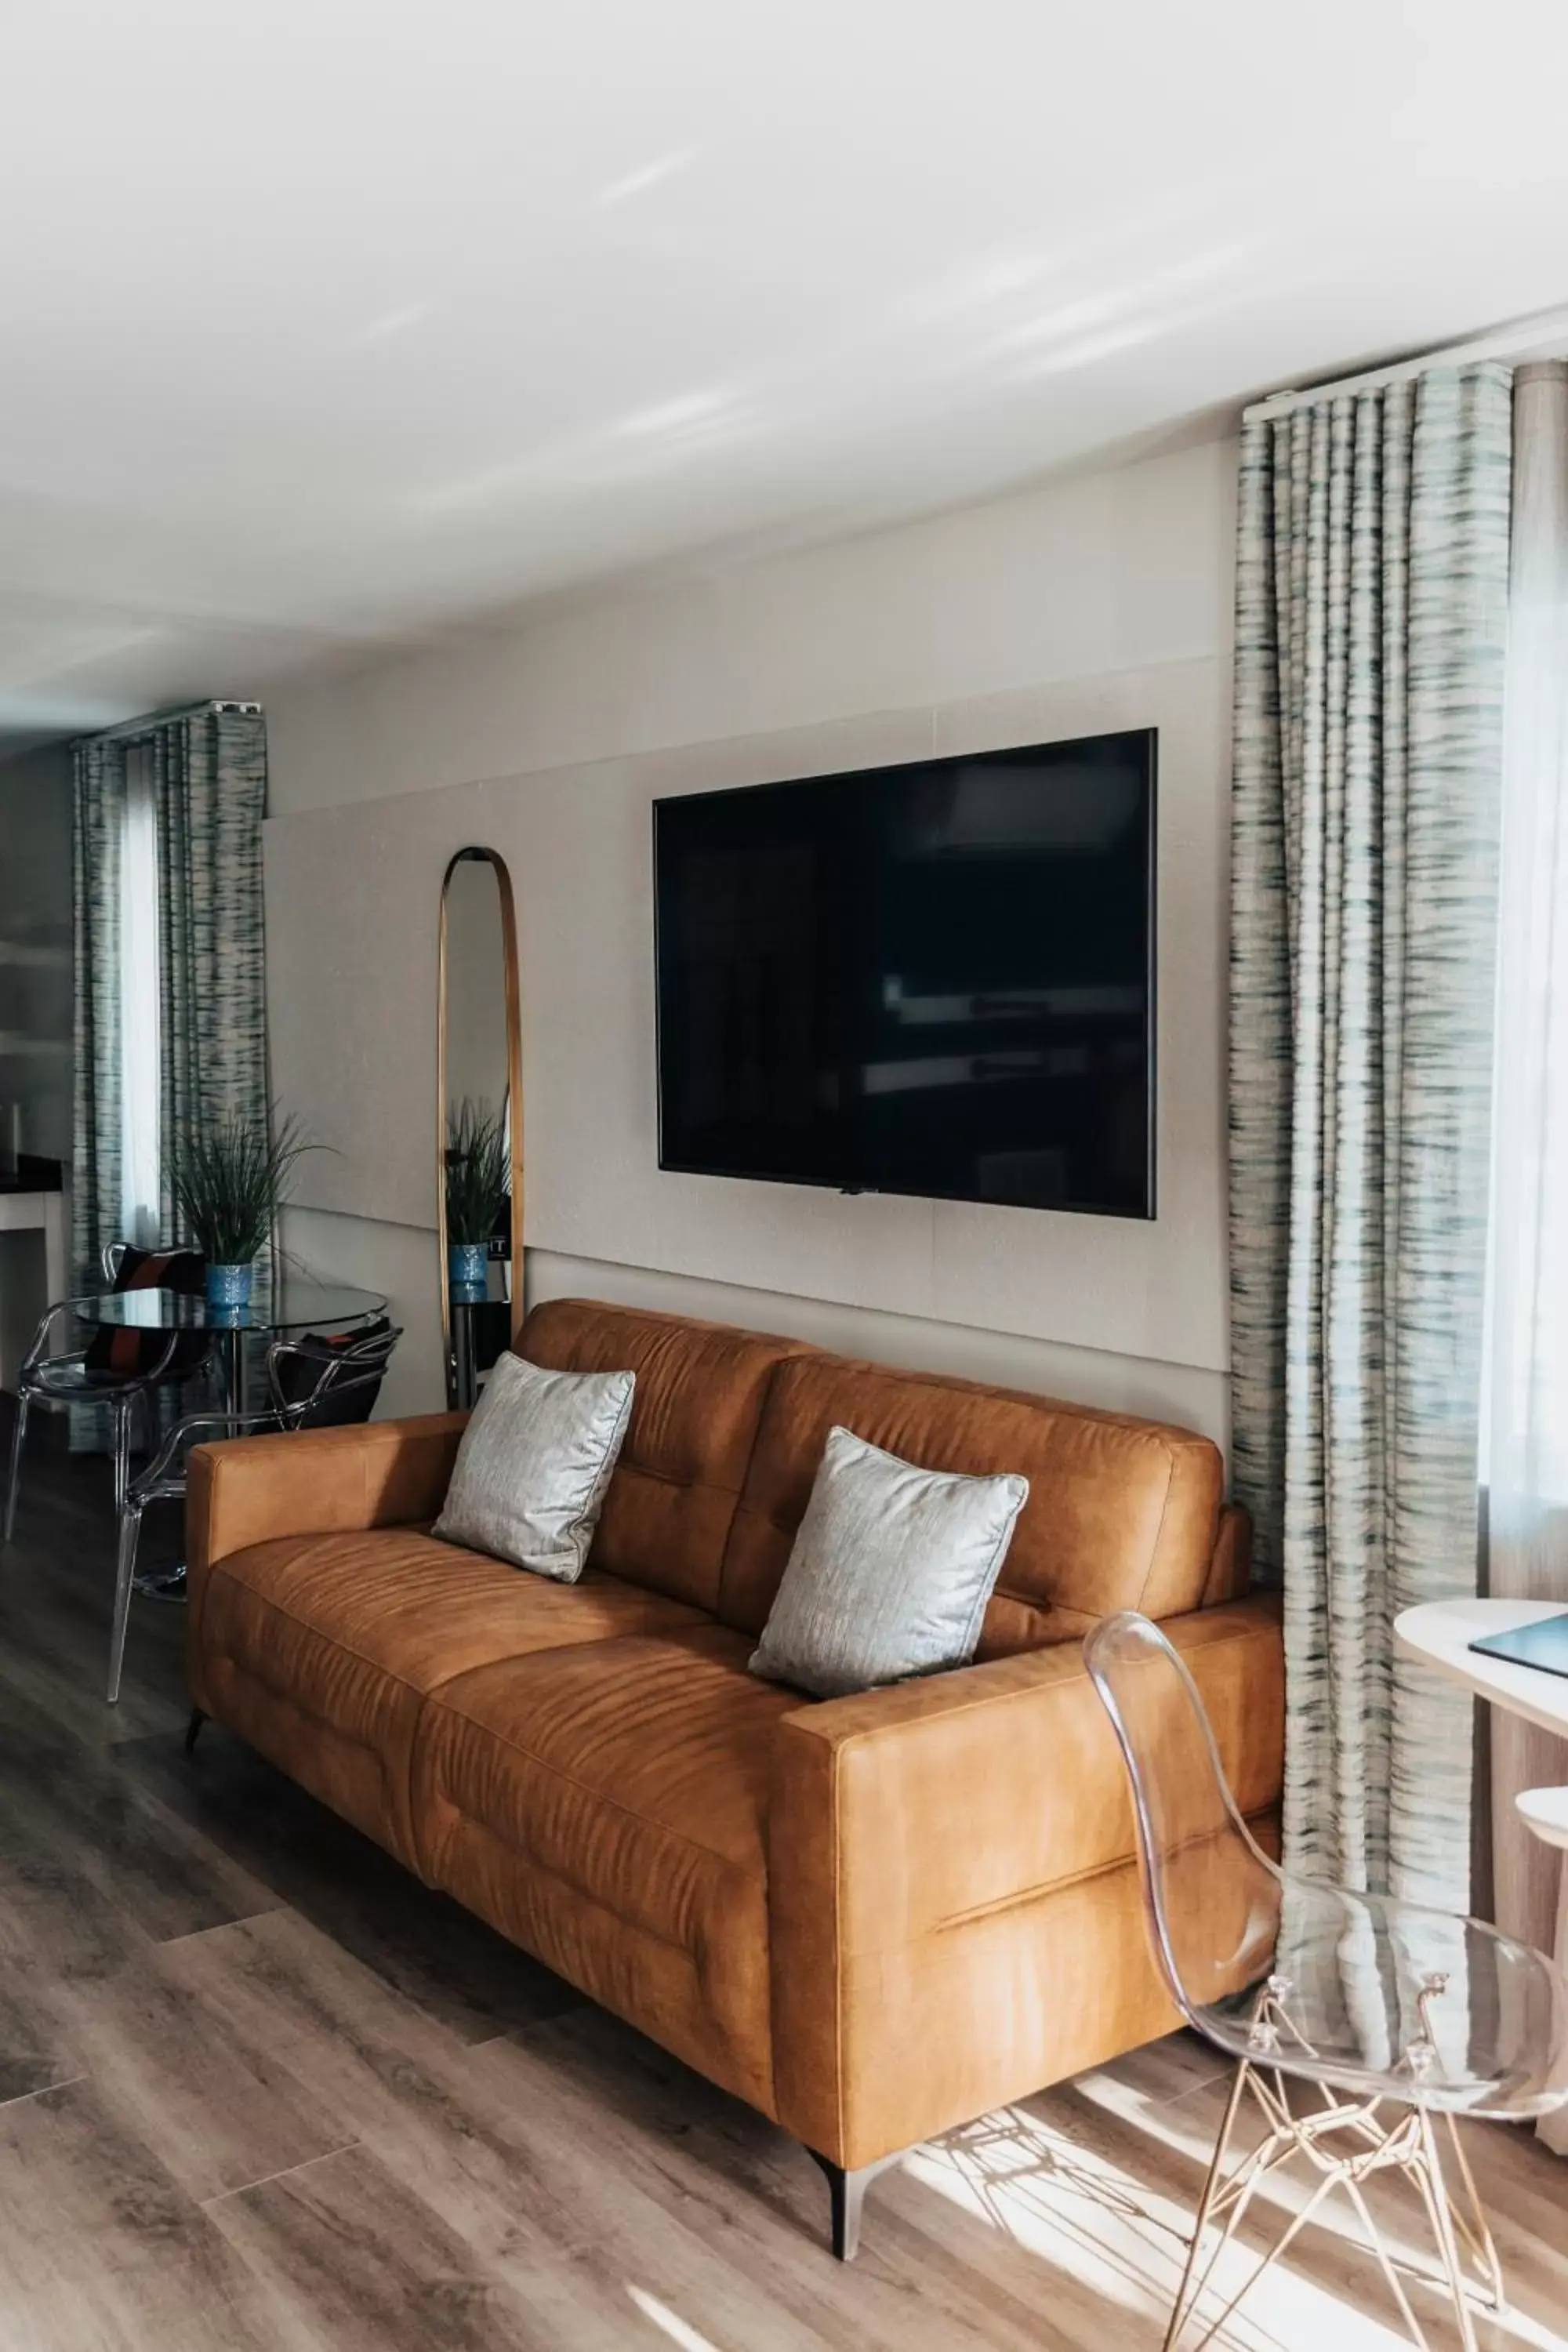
(478,1203)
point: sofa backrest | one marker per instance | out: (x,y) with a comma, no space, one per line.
(727,1431)
(695,1408)
(1122,1514)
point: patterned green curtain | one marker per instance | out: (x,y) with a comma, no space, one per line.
(1372,601)
(210,776)
(97,838)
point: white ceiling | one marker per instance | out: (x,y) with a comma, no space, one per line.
(326,323)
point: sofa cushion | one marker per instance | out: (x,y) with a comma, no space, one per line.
(1122,1514)
(604,1809)
(695,1410)
(530,1478)
(320,1650)
(891,1573)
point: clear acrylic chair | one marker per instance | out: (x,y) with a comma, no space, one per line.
(54,1378)
(310,1382)
(1358,2023)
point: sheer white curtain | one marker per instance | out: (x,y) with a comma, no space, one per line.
(139,1099)
(1527,1451)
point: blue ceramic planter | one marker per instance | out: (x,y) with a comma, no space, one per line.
(229,1286)
(467,1265)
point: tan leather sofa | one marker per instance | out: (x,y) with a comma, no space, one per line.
(873,1917)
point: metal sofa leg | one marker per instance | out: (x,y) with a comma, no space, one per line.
(847,2196)
(194,1729)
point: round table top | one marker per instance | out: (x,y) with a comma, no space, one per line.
(1546,1810)
(1439,1633)
(297,1302)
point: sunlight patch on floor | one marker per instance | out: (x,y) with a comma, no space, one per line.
(1124,2240)
(1118,2241)
(1187,2124)
(670,2322)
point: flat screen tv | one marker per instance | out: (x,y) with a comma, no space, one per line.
(935,979)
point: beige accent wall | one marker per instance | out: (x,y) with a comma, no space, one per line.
(1099,603)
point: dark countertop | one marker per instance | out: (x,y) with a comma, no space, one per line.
(33,1175)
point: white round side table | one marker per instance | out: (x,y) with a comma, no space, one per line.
(1439,1633)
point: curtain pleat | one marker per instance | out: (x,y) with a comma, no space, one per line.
(211,778)
(1371,627)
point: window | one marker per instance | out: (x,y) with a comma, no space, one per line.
(139,1171)
(1525,1460)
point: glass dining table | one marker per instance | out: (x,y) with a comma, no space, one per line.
(285,1305)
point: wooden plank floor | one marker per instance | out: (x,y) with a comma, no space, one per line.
(259,2091)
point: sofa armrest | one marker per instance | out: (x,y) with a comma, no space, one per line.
(373,1474)
(907,1821)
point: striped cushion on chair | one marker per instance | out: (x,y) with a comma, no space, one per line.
(124,1354)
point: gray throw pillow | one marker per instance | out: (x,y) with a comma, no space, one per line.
(534,1465)
(890,1572)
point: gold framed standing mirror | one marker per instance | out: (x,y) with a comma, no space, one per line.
(478,1120)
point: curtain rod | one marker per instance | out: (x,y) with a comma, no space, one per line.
(1521,339)
(156,719)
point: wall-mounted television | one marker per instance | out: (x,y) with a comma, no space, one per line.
(934,979)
